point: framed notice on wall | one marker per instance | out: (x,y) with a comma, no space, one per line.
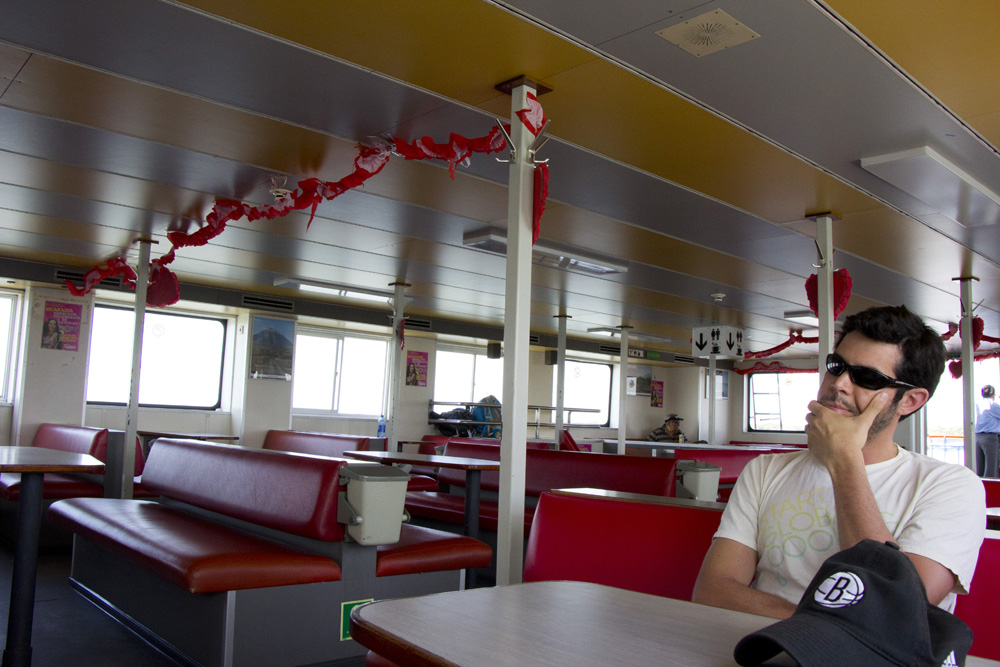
(272,348)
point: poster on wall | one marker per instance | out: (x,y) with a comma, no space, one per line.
(61,330)
(630,385)
(643,379)
(416,368)
(656,394)
(272,347)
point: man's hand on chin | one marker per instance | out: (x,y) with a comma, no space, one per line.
(835,434)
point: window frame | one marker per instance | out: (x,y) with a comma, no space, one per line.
(748,399)
(611,389)
(340,335)
(11,353)
(226,351)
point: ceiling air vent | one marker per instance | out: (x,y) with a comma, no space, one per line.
(76,277)
(610,349)
(268,303)
(683,359)
(533,339)
(710,32)
(414,323)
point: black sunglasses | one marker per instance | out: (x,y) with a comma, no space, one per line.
(864,377)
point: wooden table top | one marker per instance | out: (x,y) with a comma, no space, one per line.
(40,459)
(435,460)
(701,445)
(554,624)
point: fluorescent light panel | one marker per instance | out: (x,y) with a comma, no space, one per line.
(334,289)
(931,178)
(493,240)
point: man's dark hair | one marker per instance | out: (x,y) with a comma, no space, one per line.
(923,353)
(989,391)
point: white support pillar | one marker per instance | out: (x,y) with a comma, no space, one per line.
(517,316)
(968,377)
(711,398)
(132,414)
(824,287)
(623,388)
(560,377)
(398,370)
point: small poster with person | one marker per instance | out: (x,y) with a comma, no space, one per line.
(416,368)
(656,394)
(61,330)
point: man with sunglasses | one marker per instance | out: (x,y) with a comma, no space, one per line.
(789,512)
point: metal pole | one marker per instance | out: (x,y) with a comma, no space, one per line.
(398,366)
(623,388)
(132,416)
(560,376)
(711,398)
(517,319)
(968,377)
(824,288)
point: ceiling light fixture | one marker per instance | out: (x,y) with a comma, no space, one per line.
(550,255)
(804,317)
(639,335)
(334,289)
(931,178)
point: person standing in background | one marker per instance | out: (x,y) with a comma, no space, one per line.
(987,433)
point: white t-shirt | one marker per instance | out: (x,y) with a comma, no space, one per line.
(783,508)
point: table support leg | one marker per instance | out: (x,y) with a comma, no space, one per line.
(472,482)
(17,652)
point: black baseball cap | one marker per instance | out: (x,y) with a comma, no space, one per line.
(866,606)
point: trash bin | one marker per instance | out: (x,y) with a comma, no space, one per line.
(372,506)
(698,480)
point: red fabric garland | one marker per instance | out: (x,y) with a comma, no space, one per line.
(773,367)
(541,194)
(533,117)
(164,289)
(793,337)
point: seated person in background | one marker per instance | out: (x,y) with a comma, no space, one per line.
(789,512)
(669,432)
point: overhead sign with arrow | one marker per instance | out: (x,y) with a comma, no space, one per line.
(726,342)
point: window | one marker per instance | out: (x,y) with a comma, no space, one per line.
(8,322)
(780,401)
(335,373)
(462,376)
(588,385)
(182,359)
(945,435)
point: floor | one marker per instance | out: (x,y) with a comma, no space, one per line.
(68,630)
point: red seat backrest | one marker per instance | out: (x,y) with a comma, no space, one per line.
(732,461)
(568,443)
(978,608)
(547,469)
(81,440)
(645,547)
(318,444)
(992,487)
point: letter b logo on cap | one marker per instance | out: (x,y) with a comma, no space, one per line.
(840,589)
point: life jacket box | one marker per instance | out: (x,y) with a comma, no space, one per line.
(698,480)
(372,507)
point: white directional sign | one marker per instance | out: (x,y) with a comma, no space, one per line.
(720,341)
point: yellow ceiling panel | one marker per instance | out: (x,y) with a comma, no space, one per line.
(946,46)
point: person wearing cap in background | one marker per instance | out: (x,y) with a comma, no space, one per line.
(788,513)
(669,432)
(987,433)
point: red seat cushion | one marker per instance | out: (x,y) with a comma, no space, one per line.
(978,608)
(190,552)
(55,486)
(422,549)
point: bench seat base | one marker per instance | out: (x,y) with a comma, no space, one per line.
(281,626)
(450,508)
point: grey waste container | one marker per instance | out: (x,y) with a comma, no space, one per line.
(372,506)
(698,480)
